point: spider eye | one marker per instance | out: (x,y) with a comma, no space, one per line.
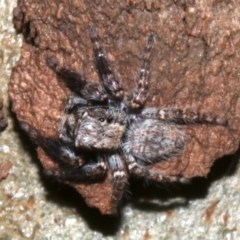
(101,119)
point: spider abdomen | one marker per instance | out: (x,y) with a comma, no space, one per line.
(153,140)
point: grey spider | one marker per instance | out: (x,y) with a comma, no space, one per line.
(104,129)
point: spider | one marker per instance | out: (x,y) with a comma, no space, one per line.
(106,130)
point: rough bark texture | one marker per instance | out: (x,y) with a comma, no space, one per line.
(195,64)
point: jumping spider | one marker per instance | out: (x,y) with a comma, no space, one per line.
(105,130)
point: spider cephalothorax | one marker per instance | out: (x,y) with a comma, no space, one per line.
(104,129)
(96,128)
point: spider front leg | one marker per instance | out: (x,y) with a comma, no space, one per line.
(140,93)
(92,93)
(85,93)
(182,116)
(86,172)
(71,166)
(110,82)
(72,79)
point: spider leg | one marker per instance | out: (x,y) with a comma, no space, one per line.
(140,93)
(72,79)
(71,166)
(119,178)
(74,102)
(92,93)
(182,116)
(110,82)
(66,130)
(89,91)
(86,172)
(141,171)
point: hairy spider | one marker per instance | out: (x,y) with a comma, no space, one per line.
(104,129)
